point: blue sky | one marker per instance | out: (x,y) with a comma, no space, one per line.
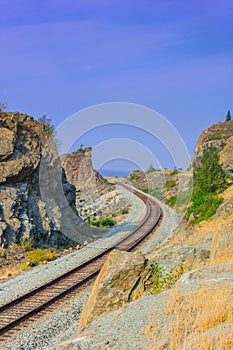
(60,56)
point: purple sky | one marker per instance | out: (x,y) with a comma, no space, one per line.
(59,56)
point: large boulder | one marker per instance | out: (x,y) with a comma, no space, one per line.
(120,281)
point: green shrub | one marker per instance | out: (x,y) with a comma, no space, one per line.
(171,201)
(103,222)
(209,176)
(151,169)
(26,243)
(36,256)
(134,177)
(125,211)
(107,222)
(174,172)
(204,205)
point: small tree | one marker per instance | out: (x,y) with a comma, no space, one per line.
(228,116)
(3,106)
(48,122)
(210,177)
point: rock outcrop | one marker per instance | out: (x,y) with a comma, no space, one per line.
(80,173)
(95,196)
(220,136)
(120,281)
(165,184)
(23,213)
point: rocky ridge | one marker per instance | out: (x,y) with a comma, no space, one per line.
(220,136)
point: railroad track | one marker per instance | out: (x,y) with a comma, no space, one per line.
(15,314)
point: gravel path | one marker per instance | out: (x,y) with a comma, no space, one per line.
(62,323)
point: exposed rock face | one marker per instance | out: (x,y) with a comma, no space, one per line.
(80,173)
(23,214)
(226,158)
(220,136)
(95,196)
(121,280)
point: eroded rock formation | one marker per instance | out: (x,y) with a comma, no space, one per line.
(95,196)
(23,213)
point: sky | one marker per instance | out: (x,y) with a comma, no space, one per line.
(175,57)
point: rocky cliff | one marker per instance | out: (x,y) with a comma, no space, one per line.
(95,196)
(23,213)
(220,136)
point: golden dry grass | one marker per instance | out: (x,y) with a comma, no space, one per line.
(33,257)
(10,271)
(191,316)
(228,193)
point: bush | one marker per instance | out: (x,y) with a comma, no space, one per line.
(107,222)
(204,205)
(171,201)
(36,256)
(103,222)
(151,169)
(125,211)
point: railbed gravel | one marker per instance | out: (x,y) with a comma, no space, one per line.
(62,323)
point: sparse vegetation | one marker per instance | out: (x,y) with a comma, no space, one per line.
(103,222)
(48,122)
(125,211)
(26,244)
(171,201)
(162,278)
(170,183)
(154,192)
(151,169)
(175,171)
(37,256)
(134,176)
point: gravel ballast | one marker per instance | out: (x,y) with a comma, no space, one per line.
(62,323)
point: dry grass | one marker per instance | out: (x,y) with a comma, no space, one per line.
(39,256)
(228,193)
(33,257)
(194,321)
(10,271)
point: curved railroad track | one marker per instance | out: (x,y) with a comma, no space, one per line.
(29,306)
